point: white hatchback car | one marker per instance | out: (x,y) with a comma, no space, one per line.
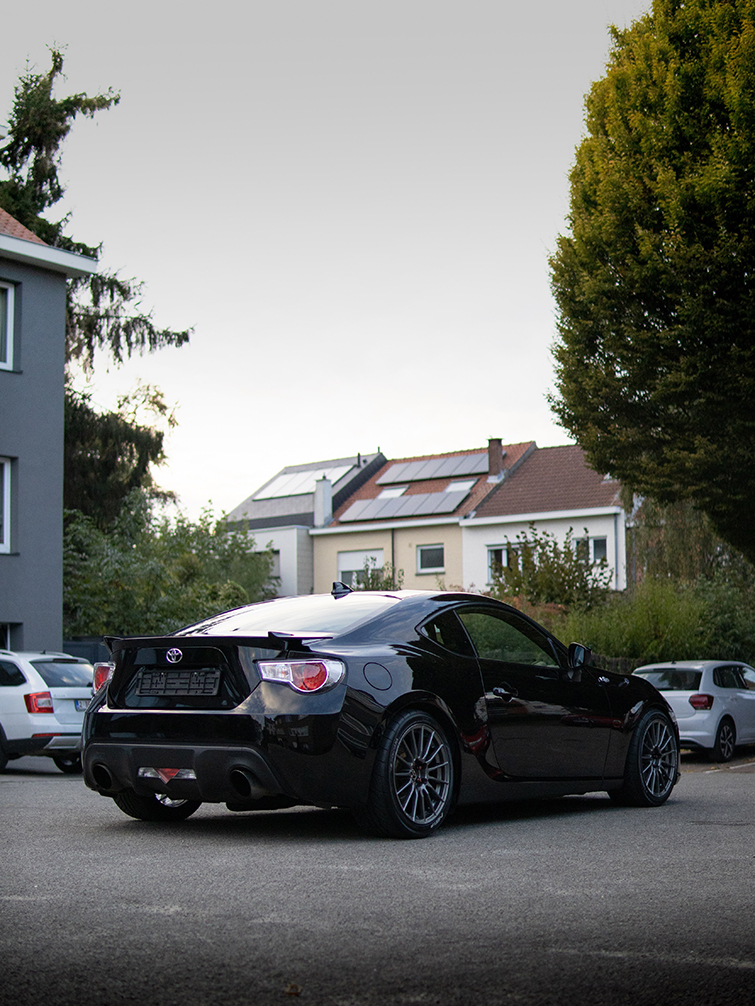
(714,702)
(43,697)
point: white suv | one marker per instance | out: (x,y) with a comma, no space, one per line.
(42,701)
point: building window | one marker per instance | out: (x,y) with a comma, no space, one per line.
(430,559)
(592,549)
(391,492)
(4,505)
(498,556)
(6,326)
(354,567)
(464,485)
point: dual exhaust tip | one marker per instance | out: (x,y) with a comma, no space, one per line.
(243,782)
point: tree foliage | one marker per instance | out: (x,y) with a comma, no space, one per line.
(655,281)
(541,571)
(148,575)
(676,541)
(107,454)
(104,310)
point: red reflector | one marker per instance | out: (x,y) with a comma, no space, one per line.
(45,735)
(39,702)
(308,677)
(701,701)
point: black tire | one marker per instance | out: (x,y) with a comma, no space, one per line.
(652,764)
(3,759)
(726,738)
(157,807)
(412,784)
(70,764)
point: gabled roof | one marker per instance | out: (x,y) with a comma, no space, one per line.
(10,226)
(430,485)
(19,244)
(552,479)
(288,497)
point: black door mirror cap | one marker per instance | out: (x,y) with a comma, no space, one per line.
(579,655)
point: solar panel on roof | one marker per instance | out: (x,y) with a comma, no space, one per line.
(298,483)
(413,505)
(435,468)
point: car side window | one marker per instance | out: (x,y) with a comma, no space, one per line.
(446,630)
(10,675)
(724,677)
(749,678)
(503,636)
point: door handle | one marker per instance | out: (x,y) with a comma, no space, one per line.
(505,692)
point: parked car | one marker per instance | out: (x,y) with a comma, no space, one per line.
(714,702)
(397,705)
(42,701)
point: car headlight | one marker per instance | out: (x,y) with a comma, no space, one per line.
(303,675)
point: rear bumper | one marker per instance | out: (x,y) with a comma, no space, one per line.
(221,774)
(58,744)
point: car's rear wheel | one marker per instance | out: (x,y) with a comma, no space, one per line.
(413,779)
(3,759)
(652,763)
(70,764)
(157,807)
(726,738)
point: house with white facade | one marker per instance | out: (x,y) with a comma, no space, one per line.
(282,512)
(556,492)
(446,520)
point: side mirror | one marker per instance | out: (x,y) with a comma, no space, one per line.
(579,655)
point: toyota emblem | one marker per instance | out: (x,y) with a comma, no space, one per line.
(174,655)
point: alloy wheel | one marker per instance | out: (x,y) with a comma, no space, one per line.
(422,773)
(658,758)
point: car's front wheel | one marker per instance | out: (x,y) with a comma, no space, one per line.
(726,738)
(157,807)
(413,779)
(652,763)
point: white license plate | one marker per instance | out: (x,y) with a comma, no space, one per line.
(82,704)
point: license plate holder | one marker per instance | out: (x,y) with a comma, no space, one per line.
(157,683)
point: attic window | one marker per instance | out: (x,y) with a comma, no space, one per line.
(464,485)
(391,492)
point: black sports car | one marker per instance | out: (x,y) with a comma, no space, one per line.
(397,705)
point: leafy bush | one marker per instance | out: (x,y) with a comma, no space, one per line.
(149,575)
(541,572)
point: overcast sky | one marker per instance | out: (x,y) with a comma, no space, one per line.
(351,201)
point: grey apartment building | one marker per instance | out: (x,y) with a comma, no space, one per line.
(32,360)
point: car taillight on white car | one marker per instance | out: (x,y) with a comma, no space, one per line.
(103,672)
(303,675)
(39,702)
(701,701)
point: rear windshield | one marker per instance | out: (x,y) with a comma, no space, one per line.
(321,613)
(62,673)
(672,679)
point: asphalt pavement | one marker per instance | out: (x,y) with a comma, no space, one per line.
(570,901)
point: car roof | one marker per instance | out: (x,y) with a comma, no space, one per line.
(42,655)
(689,665)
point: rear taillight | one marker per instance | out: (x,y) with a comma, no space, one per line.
(103,672)
(701,701)
(39,702)
(303,675)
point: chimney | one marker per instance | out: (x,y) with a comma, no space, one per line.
(495,459)
(323,502)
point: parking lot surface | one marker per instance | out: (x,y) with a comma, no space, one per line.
(565,901)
